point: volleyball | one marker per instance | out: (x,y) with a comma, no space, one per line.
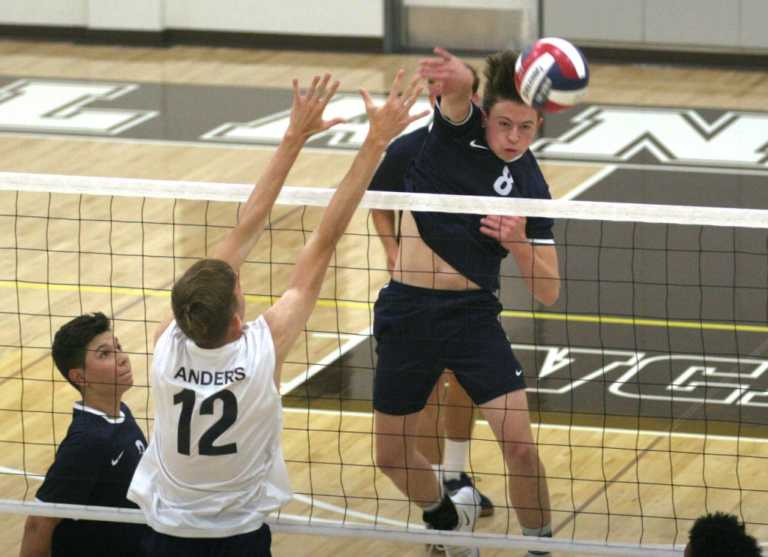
(551,74)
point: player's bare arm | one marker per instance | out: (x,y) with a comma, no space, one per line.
(538,263)
(38,536)
(456,83)
(306,119)
(288,316)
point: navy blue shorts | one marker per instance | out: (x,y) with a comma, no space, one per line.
(252,544)
(420,332)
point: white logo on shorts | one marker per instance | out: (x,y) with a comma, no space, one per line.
(518,372)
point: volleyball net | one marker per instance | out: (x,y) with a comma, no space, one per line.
(646,379)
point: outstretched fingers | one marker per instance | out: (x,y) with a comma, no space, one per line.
(413,91)
(367,100)
(308,107)
(394,90)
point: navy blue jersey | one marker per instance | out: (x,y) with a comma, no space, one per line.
(94,466)
(390,175)
(455,159)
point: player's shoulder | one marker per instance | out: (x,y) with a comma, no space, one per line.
(537,184)
(87,435)
(169,339)
(127,414)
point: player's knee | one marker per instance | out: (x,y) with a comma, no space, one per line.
(521,453)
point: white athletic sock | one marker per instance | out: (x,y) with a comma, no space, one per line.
(543,532)
(455,459)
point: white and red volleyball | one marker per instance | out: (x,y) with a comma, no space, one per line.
(551,75)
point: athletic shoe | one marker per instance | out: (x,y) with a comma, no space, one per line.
(452,486)
(467,503)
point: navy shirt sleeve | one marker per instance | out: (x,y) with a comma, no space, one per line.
(75,471)
(538,228)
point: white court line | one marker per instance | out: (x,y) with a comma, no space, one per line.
(591,181)
(332,335)
(589,429)
(313,370)
(16,472)
(311,502)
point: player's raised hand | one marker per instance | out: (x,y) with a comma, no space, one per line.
(508,231)
(307,109)
(391,118)
(450,71)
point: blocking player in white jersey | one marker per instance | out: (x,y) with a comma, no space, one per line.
(214,468)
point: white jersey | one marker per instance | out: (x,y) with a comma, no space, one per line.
(214,467)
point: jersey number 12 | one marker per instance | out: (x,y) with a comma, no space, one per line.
(229,414)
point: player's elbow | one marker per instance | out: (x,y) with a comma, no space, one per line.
(548,291)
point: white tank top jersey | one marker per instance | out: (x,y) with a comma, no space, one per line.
(214,466)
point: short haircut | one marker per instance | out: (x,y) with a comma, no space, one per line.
(721,535)
(204,301)
(500,79)
(71,341)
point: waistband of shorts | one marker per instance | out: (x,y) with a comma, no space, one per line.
(407,289)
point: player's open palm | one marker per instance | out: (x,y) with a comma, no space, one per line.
(307,110)
(390,119)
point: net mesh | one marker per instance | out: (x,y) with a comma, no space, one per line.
(646,379)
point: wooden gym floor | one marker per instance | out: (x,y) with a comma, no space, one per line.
(596,472)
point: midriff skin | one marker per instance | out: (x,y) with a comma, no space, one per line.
(418,265)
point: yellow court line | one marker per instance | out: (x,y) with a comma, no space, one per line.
(367,306)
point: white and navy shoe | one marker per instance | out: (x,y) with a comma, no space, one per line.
(452,486)
(467,503)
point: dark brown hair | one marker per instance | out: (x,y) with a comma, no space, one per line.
(204,301)
(500,79)
(71,341)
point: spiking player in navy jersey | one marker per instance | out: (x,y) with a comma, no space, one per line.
(441,310)
(96,460)
(447,421)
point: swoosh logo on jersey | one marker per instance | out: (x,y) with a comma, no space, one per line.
(115,460)
(518,372)
(476,145)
